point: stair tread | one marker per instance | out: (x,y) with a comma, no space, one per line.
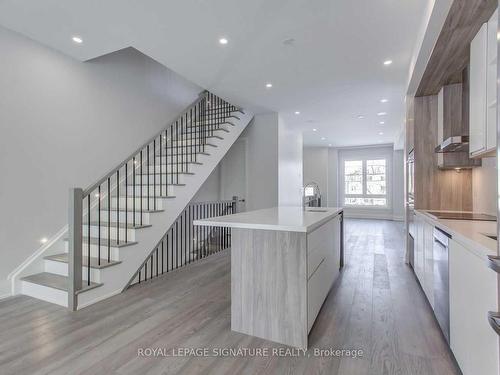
(55,281)
(151,184)
(121,225)
(163,173)
(131,209)
(104,242)
(215,130)
(191,146)
(94,261)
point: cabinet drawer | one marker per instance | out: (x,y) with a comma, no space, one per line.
(317,289)
(319,237)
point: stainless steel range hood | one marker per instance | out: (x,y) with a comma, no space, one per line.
(458,143)
(453,126)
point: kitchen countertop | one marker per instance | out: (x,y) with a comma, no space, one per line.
(290,219)
(469,233)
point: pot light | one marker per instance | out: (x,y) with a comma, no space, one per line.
(269,85)
(77,40)
(223,41)
(387,62)
(382,122)
(44,240)
(381,113)
(323,138)
(315,130)
(383,100)
(96,195)
(361,117)
(381,133)
(297,112)
(329,145)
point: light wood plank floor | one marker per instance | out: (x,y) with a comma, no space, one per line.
(376,305)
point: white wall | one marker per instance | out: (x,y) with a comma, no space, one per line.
(316,170)
(290,188)
(322,165)
(65,123)
(333,177)
(262,162)
(484,187)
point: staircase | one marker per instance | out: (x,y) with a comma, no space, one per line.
(116,224)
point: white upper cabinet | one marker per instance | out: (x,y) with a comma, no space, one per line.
(477,115)
(483,90)
(491,87)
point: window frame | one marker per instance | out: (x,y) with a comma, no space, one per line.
(364,181)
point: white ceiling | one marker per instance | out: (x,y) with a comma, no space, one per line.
(332,71)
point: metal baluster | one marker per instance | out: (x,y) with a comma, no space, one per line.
(147,160)
(177,244)
(176,152)
(99,224)
(88,239)
(161,164)
(141,198)
(162,256)
(156,262)
(154,174)
(126,203)
(109,218)
(181,238)
(118,198)
(133,194)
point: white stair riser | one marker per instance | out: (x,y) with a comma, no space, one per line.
(163,178)
(59,297)
(182,161)
(121,215)
(194,143)
(120,202)
(197,132)
(94,232)
(158,190)
(61,268)
(114,253)
(167,168)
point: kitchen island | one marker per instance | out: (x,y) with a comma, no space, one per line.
(284,261)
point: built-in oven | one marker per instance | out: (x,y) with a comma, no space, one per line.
(441,281)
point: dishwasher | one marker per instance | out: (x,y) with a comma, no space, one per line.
(441,281)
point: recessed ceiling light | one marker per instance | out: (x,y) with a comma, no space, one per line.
(77,40)
(44,240)
(223,41)
(381,133)
(383,100)
(361,117)
(382,122)
(329,145)
(269,85)
(387,62)
(297,112)
(381,113)
(314,130)
(96,195)
(323,138)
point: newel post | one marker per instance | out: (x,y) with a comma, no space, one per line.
(75,214)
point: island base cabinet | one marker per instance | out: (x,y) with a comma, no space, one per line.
(280,279)
(473,292)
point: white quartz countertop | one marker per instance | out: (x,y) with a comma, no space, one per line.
(469,233)
(290,219)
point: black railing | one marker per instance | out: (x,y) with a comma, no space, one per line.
(185,243)
(116,205)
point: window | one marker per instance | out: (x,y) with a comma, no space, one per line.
(365,183)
